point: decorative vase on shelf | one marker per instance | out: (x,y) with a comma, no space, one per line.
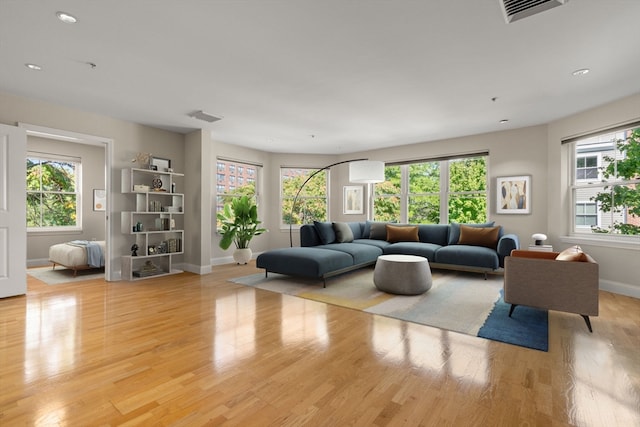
(242,256)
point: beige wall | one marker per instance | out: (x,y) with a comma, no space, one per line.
(92,160)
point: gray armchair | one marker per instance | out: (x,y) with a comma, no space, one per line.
(537,279)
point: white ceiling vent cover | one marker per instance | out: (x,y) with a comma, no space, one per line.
(515,10)
(201,115)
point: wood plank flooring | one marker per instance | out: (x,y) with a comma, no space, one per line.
(191,350)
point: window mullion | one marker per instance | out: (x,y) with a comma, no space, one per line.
(444,192)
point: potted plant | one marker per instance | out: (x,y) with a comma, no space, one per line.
(240,223)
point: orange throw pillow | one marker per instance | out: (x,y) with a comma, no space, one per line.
(479,236)
(402,233)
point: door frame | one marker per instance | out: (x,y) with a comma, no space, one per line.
(81,138)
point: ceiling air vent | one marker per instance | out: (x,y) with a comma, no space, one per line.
(201,115)
(515,10)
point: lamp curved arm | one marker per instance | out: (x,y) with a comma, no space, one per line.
(295,199)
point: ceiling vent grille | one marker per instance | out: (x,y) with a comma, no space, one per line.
(201,115)
(515,10)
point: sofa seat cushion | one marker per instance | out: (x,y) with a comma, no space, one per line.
(426,250)
(361,254)
(303,261)
(472,256)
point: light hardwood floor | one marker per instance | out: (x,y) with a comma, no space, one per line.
(191,350)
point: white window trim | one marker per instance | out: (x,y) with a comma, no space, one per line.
(79,207)
(618,241)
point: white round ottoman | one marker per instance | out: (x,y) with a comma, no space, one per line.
(402,274)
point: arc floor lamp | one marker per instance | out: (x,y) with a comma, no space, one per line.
(361,171)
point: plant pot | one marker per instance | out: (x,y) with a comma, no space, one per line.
(242,256)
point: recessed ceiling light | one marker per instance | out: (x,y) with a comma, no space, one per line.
(35,67)
(580,72)
(66,18)
(503,121)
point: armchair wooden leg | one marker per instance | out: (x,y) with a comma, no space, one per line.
(513,307)
(588,322)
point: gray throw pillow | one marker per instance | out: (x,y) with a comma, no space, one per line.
(325,231)
(344,234)
(378,231)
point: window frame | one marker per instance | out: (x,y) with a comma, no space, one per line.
(444,193)
(230,171)
(77,162)
(578,233)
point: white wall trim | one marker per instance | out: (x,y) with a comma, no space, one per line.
(620,288)
(229,259)
(196,269)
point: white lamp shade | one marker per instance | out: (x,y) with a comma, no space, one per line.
(539,238)
(366,171)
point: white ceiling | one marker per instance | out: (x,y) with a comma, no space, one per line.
(358,75)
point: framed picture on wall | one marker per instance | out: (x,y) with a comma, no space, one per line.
(99,200)
(353,197)
(161,165)
(513,194)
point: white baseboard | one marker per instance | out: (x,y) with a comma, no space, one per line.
(42,262)
(620,288)
(192,268)
(229,259)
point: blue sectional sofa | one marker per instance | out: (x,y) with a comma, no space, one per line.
(327,249)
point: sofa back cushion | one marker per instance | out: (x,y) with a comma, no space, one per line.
(402,233)
(325,231)
(434,233)
(479,236)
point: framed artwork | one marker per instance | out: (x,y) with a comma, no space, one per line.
(99,200)
(353,197)
(513,194)
(161,165)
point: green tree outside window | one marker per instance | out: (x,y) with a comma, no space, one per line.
(52,193)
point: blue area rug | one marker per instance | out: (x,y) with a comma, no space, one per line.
(527,326)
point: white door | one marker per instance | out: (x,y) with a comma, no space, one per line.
(13,211)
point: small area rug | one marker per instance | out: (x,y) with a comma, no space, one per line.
(64,275)
(457,301)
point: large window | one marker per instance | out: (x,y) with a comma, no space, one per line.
(53,193)
(604,183)
(235,179)
(312,203)
(432,192)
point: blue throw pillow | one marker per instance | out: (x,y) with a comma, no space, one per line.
(454,231)
(325,231)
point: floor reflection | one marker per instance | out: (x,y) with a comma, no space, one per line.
(304,321)
(234,336)
(430,349)
(51,336)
